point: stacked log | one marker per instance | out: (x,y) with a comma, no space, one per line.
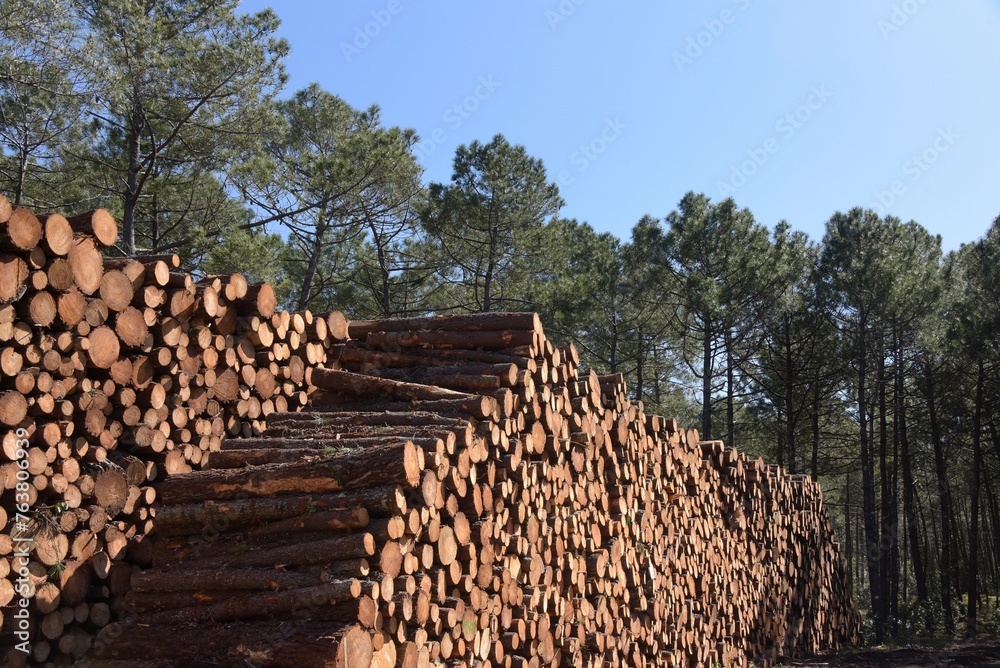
(459,492)
(114,373)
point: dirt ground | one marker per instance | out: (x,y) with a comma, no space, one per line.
(977,655)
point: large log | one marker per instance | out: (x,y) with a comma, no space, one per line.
(359,329)
(360,385)
(394,464)
(445,339)
(211,517)
(277,644)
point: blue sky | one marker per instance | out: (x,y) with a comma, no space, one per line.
(795,109)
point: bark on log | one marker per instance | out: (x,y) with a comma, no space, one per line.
(394,464)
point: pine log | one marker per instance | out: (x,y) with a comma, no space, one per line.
(99,224)
(181,580)
(394,464)
(87,263)
(359,385)
(276,644)
(212,517)
(13,274)
(22,231)
(359,329)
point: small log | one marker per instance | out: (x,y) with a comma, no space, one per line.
(13,274)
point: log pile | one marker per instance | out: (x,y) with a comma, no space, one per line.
(116,372)
(460,493)
(211,480)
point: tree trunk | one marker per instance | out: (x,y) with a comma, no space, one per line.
(977,465)
(131,199)
(22,172)
(730,381)
(848,537)
(909,505)
(789,402)
(639,377)
(888,527)
(314,256)
(944,499)
(868,484)
(706,382)
(815,432)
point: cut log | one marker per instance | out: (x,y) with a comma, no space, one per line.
(13,274)
(116,290)
(211,517)
(22,231)
(486,340)
(13,408)
(359,385)
(282,644)
(103,347)
(359,329)
(395,464)
(99,224)
(87,263)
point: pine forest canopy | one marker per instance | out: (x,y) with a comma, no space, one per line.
(868,358)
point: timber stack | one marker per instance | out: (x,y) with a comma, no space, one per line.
(295,490)
(460,493)
(116,372)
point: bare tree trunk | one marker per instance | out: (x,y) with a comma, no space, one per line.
(910,503)
(706,381)
(730,391)
(815,432)
(131,200)
(977,465)
(944,500)
(888,521)
(22,172)
(868,483)
(848,536)
(314,256)
(789,402)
